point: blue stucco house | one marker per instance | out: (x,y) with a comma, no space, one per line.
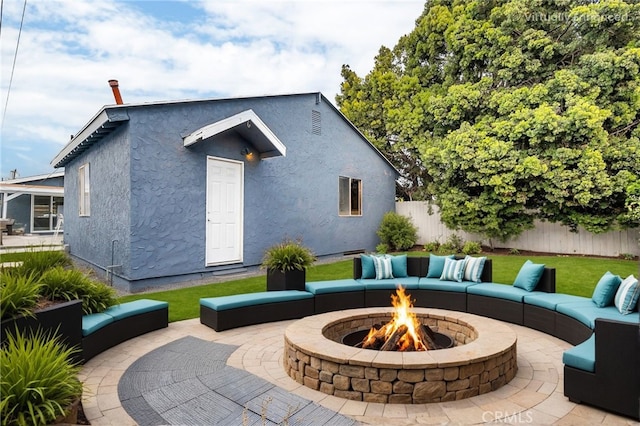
(167,192)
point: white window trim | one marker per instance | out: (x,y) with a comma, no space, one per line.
(84,191)
(359,197)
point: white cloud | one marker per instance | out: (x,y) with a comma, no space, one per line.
(69,49)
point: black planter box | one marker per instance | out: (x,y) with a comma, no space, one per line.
(287,280)
(65,319)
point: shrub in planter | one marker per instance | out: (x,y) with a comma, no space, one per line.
(286,264)
(39,261)
(38,380)
(19,293)
(397,231)
(70,284)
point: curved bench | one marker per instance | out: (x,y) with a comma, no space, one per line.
(119,323)
(223,313)
(604,363)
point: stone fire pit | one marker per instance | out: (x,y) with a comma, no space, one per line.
(483,360)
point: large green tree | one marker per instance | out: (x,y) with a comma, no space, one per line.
(519,109)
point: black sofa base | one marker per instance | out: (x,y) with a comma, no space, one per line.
(571,330)
(121,330)
(255,314)
(329,302)
(493,307)
(449,300)
(540,319)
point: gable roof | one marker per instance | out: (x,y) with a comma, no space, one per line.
(248,125)
(110,117)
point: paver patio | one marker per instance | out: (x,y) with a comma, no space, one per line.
(534,396)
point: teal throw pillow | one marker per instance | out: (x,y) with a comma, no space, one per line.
(368,269)
(399,266)
(529,275)
(383,267)
(606,289)
(436,265)
(473,268)
(627,295)
(453,270)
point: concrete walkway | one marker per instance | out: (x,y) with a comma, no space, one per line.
(17,243)
(534,396)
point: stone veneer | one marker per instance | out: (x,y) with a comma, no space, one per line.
(483,359)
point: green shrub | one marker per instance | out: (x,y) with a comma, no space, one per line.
(382,248)
(19,293)
(39,261)
(38,379)
(514,251)
(432,247)
(397,231)
(453,245)
(288,255)
(472,247)
(70,284)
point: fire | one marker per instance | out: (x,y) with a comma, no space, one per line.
(402,316)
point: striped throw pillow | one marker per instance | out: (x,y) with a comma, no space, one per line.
(384,270)
(473,268)
(627,295)
(453,270)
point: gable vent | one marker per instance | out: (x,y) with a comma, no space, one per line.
(316,122)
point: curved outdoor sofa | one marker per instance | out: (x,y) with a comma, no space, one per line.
(602,369)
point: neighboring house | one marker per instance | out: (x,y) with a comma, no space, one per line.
(167,192)
(35,203)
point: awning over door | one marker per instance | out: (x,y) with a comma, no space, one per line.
(249,126)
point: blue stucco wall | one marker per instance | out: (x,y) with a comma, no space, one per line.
(91,238)
(162,228)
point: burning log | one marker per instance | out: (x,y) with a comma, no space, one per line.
(427,336)
(392,341)
(375,339)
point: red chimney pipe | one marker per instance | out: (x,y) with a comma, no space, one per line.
(116,91)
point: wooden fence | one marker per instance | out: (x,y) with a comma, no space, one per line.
(545,237)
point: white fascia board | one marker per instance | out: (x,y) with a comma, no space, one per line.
(234,121)
(32,189)
(98,121)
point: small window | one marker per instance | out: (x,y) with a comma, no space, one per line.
(350,197)
(84,187)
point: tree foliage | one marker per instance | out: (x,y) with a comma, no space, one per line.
(517,110)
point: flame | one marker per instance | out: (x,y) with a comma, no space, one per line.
(402,315)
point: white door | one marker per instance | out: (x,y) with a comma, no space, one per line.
(225,196)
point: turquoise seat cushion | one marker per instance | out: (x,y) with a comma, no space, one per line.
(500,291)
(551,300)
(583,356)
(249,299)
(136,307)
(606,289)
(335,286)
(586,312)
(437,284)
(93,322)
(391,283)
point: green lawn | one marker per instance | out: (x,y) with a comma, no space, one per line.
(574,275)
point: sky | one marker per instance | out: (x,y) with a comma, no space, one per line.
(172,50)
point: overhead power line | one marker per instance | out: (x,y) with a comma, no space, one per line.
(15,57)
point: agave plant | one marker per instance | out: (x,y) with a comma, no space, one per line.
(38,379)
